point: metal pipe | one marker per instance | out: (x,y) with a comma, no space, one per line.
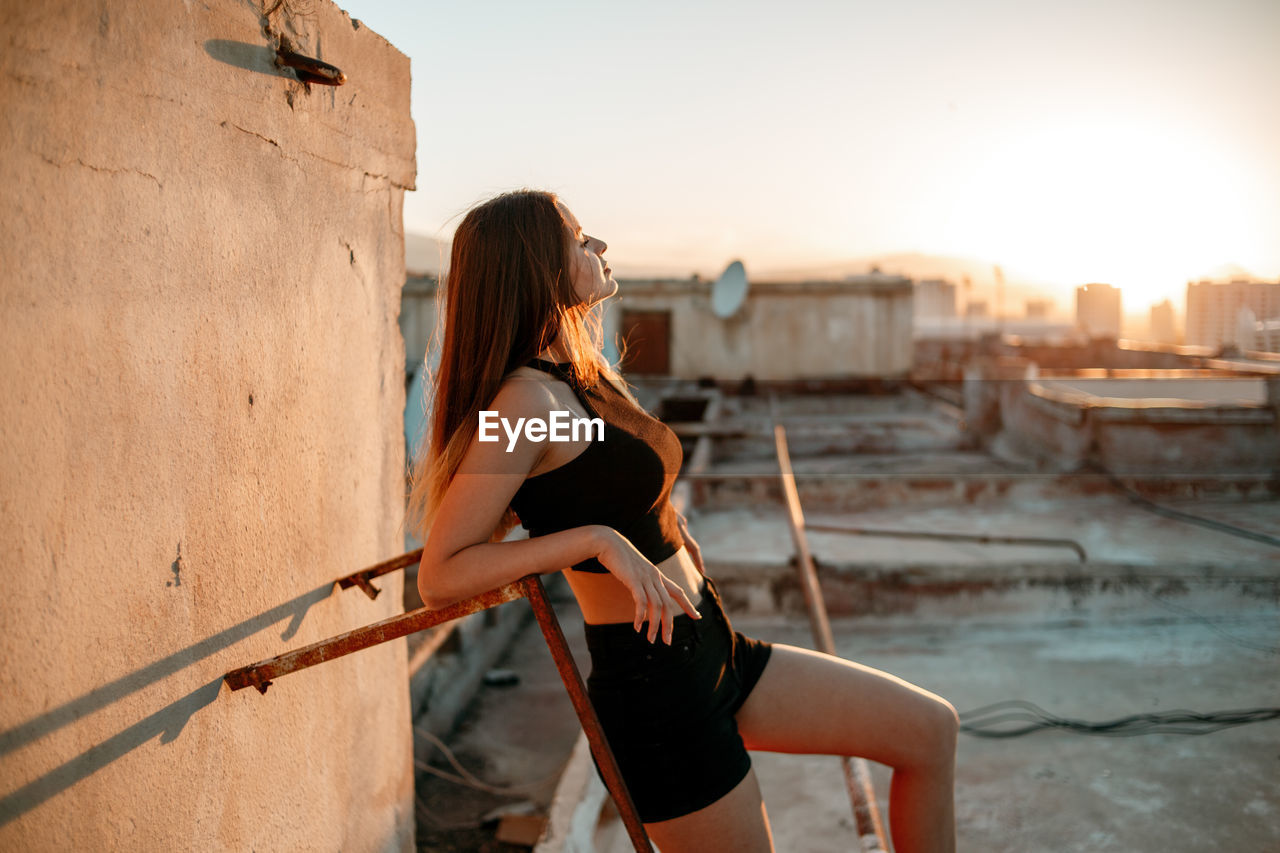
(956,537)
(857,776)
(309,69)
(260,674)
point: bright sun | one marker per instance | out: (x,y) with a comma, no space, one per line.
(1109,201)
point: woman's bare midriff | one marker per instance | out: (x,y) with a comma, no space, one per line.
(604,599)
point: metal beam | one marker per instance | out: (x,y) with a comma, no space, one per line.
(577,691)
(954,537)
(857,775)
(261,674)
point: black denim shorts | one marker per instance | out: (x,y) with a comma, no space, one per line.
(667,711)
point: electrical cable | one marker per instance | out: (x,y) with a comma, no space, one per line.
(443,825)
(1210,624)
(984,721)
(467,779)
(1178,515)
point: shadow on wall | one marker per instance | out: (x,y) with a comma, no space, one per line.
(250,57)
(168,722)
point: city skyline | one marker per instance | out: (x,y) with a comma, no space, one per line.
(1131,144)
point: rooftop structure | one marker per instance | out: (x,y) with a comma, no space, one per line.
(1038,309)
(935,297)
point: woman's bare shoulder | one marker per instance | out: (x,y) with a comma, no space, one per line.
(526,392)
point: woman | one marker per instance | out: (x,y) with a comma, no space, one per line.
(681,695)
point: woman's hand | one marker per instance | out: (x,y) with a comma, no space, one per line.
(657,596)
(689,544)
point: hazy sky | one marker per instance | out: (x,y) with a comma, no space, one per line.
(1136,143)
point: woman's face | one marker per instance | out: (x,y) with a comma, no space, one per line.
(591,277)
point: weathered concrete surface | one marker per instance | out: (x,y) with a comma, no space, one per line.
(1157,390)
(1095,657)
(1151,423)
(1054,791)
(1112,531)
(750,551)
(200,427)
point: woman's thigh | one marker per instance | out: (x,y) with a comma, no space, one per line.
(813,703)
(737,821)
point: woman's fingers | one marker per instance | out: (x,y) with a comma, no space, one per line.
(646,602)
(655,613)
(657,602)
(668,611)
(641,606)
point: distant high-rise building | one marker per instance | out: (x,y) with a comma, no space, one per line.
(1214,309)
(1098,310)
(1038,309)
(976,308)
(1267,336)
(1246,328)
(935,297)
(1162,330)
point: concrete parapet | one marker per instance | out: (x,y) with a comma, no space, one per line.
(984,377)
(200,421)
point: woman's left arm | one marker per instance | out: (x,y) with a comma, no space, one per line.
(689,544)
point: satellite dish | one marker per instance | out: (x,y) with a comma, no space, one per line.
(729,291)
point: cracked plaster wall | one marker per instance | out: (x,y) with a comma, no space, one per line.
(200,426)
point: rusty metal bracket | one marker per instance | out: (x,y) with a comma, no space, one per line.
(361,578)
(309,69)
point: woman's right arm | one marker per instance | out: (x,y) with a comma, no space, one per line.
(459,561)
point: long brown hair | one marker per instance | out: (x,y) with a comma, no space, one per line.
(508,292)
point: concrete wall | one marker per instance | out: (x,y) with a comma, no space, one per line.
(1064,431)
(200,427)
(813,330)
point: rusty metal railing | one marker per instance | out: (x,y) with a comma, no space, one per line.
(260,675)
(857,775)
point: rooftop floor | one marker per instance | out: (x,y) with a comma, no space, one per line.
(1097,659)
(1061,791)
(1163,615)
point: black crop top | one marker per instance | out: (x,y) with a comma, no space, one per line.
(623,481)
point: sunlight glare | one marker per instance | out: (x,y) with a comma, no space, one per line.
(1142,208)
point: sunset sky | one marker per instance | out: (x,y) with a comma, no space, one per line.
(1134,143)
